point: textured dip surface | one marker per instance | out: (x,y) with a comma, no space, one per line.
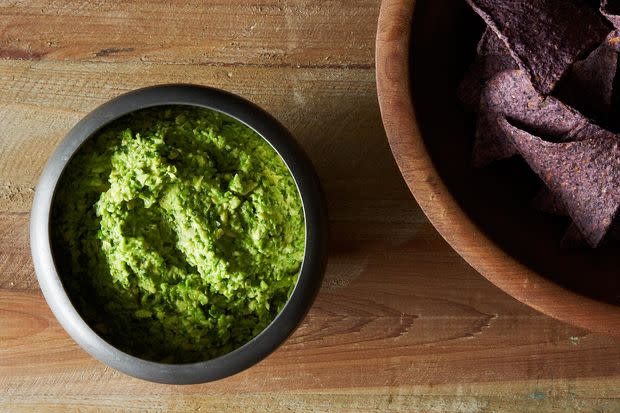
(178,232)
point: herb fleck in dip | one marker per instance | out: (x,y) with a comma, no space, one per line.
(179,233)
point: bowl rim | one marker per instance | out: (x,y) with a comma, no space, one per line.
(397,110)
(315,216)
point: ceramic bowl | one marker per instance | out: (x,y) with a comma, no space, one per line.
(312,268)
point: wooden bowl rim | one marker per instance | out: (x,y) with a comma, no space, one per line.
(424,182)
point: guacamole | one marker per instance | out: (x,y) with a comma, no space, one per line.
(179,233)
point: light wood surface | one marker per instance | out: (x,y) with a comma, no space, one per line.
(402,323)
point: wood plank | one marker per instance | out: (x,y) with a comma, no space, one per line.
(274,33)
(16,272)
(43,100)
(413,319)
(512,397)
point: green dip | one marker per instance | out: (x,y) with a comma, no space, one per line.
(179,233)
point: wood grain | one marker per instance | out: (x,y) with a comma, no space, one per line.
(423,339)
(38,111)
(402,323)
(273,33)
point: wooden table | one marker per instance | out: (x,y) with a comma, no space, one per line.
(401,323)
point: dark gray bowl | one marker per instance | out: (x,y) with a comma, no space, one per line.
(312,269)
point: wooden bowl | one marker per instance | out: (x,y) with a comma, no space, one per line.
(484,214)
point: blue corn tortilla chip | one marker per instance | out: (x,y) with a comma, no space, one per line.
(611,10)
(545,37)
(583,174)
(491,143)
(510,94)
(547,202)
(483,69)
(564,48)
(573,238)
(589,84)
(613,40)
(493,57)
(490,44)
